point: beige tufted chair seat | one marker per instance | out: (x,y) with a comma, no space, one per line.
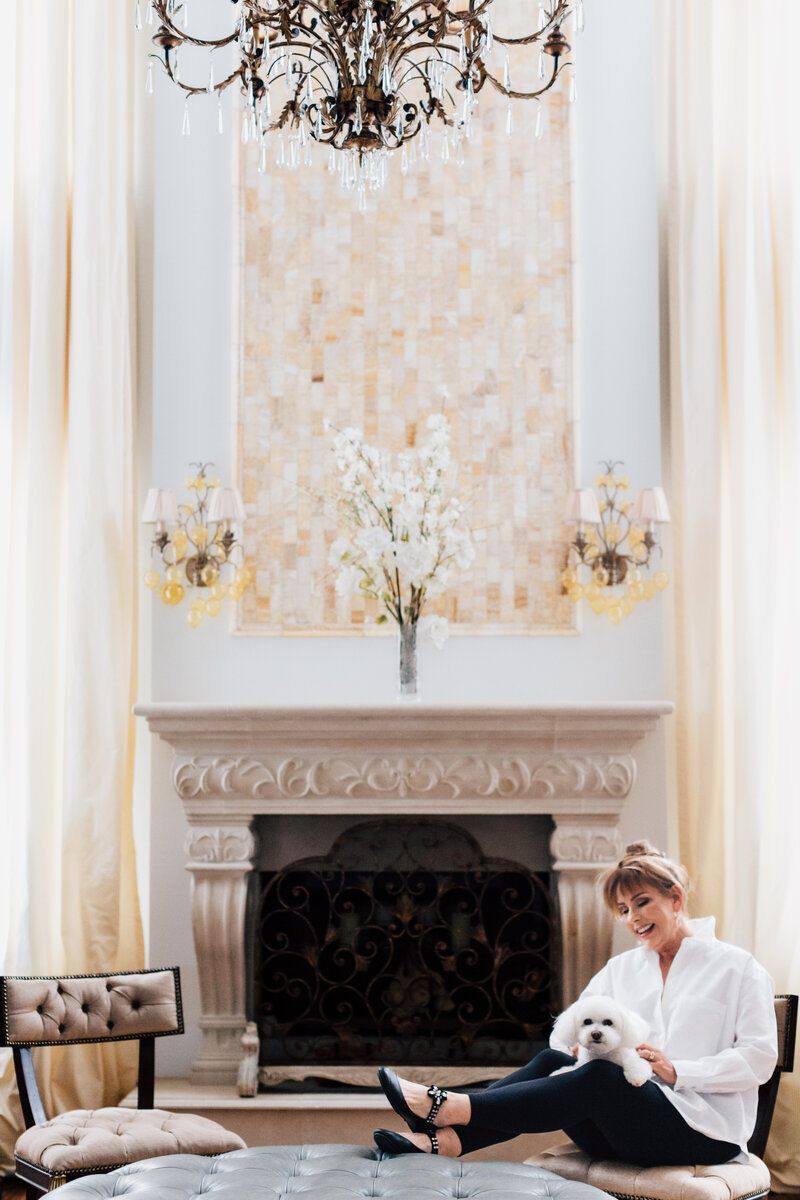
(64,1010)
(728,1181)
(86,1140)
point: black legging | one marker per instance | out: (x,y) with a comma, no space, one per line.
(595,1105)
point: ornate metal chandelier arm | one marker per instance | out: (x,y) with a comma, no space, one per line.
(522,95)
(403,17)
(315,8)
(415,31)
(410,50)
(190,89)
(335,51)
(468,15)
(276,69)
(169,25)
(520,41)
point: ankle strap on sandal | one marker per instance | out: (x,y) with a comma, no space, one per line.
(438,1096)
(434,1142)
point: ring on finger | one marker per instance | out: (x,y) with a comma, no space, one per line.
(652,1056)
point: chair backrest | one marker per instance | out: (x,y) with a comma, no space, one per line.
(57,1010)
(786,1016)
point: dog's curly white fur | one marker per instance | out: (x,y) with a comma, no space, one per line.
(602,1028)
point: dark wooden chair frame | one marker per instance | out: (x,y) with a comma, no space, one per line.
(37,1181)
(786,1015)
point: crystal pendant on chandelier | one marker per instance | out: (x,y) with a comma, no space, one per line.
(363,77)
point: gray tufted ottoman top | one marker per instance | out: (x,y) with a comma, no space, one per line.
(325,1173)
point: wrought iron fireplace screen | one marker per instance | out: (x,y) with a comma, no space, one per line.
(404,944)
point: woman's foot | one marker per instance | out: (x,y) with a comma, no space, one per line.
(455,1110)
(447,1145)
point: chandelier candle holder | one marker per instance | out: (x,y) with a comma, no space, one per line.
(197,544)
(615,547)
(405,537)
(362,78)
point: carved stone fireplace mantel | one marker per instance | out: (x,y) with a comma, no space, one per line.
(233,764)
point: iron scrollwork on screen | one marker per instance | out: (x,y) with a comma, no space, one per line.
(404,944)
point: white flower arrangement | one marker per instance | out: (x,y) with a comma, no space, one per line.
(405,538)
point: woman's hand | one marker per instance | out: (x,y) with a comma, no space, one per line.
(661,1065)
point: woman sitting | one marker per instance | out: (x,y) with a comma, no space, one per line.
(712,1040)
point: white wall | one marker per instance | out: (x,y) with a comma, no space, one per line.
(618,397)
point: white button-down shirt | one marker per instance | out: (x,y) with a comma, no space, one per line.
(714,1019)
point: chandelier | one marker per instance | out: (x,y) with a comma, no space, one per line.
(615,546)
(364,78)
(197,545)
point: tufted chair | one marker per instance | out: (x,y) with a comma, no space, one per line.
(728,1181)
(73,1009)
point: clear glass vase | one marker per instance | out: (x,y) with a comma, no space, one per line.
(407,663)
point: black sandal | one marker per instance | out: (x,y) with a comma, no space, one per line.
(394,1094)
(389,1142)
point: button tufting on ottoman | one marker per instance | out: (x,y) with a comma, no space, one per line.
(326,1173)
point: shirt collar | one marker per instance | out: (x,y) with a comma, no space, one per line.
(703,927)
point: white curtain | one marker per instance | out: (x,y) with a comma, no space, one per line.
(730,97)
(68,584)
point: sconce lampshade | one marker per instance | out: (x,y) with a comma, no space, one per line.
(582,508)
(226,505)
(650,505)
(160,507)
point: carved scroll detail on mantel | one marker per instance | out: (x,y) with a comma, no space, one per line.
(220,844)
(536,776)
(576,844)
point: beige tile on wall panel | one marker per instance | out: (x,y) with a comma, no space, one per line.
(456,276)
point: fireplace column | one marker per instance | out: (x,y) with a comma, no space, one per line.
(582,847)
(220,859)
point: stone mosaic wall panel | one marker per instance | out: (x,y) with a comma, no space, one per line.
(456,275)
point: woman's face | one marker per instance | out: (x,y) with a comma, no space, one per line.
(655,918)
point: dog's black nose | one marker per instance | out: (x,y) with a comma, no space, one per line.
(597,1035)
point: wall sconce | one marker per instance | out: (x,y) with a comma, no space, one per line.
(616,542)
(197,545)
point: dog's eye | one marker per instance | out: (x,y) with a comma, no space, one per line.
(607,1022)
(588,1021)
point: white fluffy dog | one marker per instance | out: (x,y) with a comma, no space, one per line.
(602,1028)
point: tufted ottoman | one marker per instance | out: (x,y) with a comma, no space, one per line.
(326,1173)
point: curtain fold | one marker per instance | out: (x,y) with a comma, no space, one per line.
(68,619)
(729,93)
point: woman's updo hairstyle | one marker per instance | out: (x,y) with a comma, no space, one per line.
(643,866)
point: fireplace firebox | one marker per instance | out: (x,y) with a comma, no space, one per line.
(406,944)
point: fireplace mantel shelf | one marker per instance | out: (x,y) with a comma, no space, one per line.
(232,764)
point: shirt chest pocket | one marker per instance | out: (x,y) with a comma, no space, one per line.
(697,1026)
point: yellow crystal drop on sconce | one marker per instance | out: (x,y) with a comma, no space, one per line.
(661,579)
(152,579)
(194,617)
